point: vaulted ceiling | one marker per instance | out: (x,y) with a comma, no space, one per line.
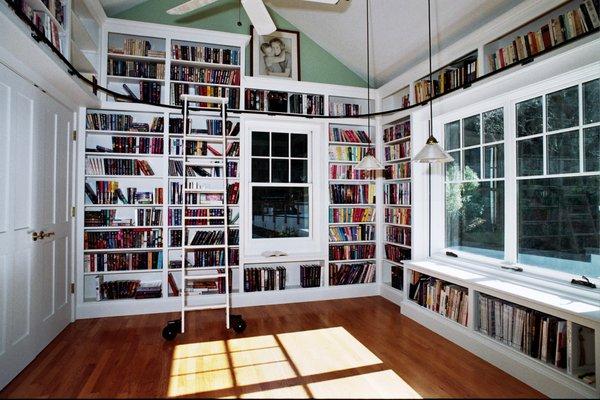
(398,33)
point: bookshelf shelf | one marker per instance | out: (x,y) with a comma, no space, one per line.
(175,61)
(130,271)
(134,57)
(133,78)
(138,205)
(127,133)
(129,250)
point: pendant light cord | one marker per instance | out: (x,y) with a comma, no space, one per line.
(368,83)
(431,89)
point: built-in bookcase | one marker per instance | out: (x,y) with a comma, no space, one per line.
(284,102)
(352,224)
(348,106)
(397,200)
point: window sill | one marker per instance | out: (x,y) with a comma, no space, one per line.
(488,278)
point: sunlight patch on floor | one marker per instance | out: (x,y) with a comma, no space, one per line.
(288,392)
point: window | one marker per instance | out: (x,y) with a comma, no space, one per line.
(475,184)
(280,185)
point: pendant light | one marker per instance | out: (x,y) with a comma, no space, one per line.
(369,162)
(432,152)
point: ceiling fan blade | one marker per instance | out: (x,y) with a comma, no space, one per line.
(258,14)
(189,6)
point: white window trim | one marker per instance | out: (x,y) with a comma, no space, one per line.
(554,279)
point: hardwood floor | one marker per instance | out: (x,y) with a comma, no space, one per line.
(343,348)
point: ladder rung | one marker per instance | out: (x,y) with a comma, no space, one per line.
(208,307)
(203,246)
(201,164)
(203,277)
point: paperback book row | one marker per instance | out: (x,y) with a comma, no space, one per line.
(122,122)
(341,171)
(397,131)
(397,171)
(352,194)
(233,94)
(349,274)
(127,289)
(349,153)
(117,166)
(397,151)
(137,69)
(448,300)
(189,73)
(138,238)
(108,262)
(44,23)
(258,279)
(398,216)
(350,215)
(449,78)
(108,192)
(205,54)
(397,276)
(398,235)
(137,47)
(351,233)
(131,145)
(351,252)
(397,254)
(580,19)
(397,193)
(344,109)
(348,135)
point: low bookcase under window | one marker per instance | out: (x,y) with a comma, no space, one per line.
(284,102)
(267,277)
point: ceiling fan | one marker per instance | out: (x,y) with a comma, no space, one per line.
(256,10)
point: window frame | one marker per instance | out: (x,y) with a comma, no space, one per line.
(508,101)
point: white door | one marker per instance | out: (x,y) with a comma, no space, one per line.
(35,276)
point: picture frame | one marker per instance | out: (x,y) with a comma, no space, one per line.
(276,55)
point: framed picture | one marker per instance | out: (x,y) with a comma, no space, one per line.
(276,55)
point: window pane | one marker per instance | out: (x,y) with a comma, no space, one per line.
(280,212)
(475,218)
(591,101)
(452,135)
(591,148)
(299,171)
(562,109)
(280,145)
(299,145)
(260,143)
(280,171)
(472,164)
(260,170)
(493,161)
(563,152)
(493,125)
(529,117)
(530,157)
(558,224)
(453,167)
(471,135)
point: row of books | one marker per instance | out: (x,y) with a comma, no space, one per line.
(310,275)
(45,25)
(149,92)
(348,135)
(56,8)
(580,19)
(137,47)
(348,215)
(398,170)
(399,235)
(351,233)
(397,277)
(233,94)
(233,237)
(398,216)
(396,131)
(189,73)
(148,217)
(207,258)
(397,193)
(140,238)
(206,238)
(266,100)
(397,254)
(101,218)
(131,145)
(137,69)
(122,289)
(351,252)
(213,127)
(349,153)
(307,104)
(206,54)
(176,169)
(352,194)
(176,196)
(349,274)
(397,151)
(122,122)
(342,171)
(257,279)
(231,169)
(448,300)
(101,262)
(344,109)
(529,331)
(451,77)
(108,192)
(117,166)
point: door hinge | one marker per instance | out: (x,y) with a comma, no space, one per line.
(74,135)
(73,211)
(72,288)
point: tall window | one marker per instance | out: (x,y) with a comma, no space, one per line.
(558,157)
(280,185)
(475,184)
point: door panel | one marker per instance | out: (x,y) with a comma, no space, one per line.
(4,110)
(61,275)
(22,138)
(19,305)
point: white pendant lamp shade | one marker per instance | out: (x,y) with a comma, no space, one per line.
(369,163)
(432,152)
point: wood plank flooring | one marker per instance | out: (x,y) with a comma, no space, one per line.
(342,348)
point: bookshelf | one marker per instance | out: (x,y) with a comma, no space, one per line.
(397,200)
(352,224)
(51,18)
(348,106)
(85,38)
(283,276)
(284,102)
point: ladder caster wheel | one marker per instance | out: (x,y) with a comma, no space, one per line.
(171,330)
(237,323)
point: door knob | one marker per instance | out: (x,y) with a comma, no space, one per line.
(35,236)
(48,234)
